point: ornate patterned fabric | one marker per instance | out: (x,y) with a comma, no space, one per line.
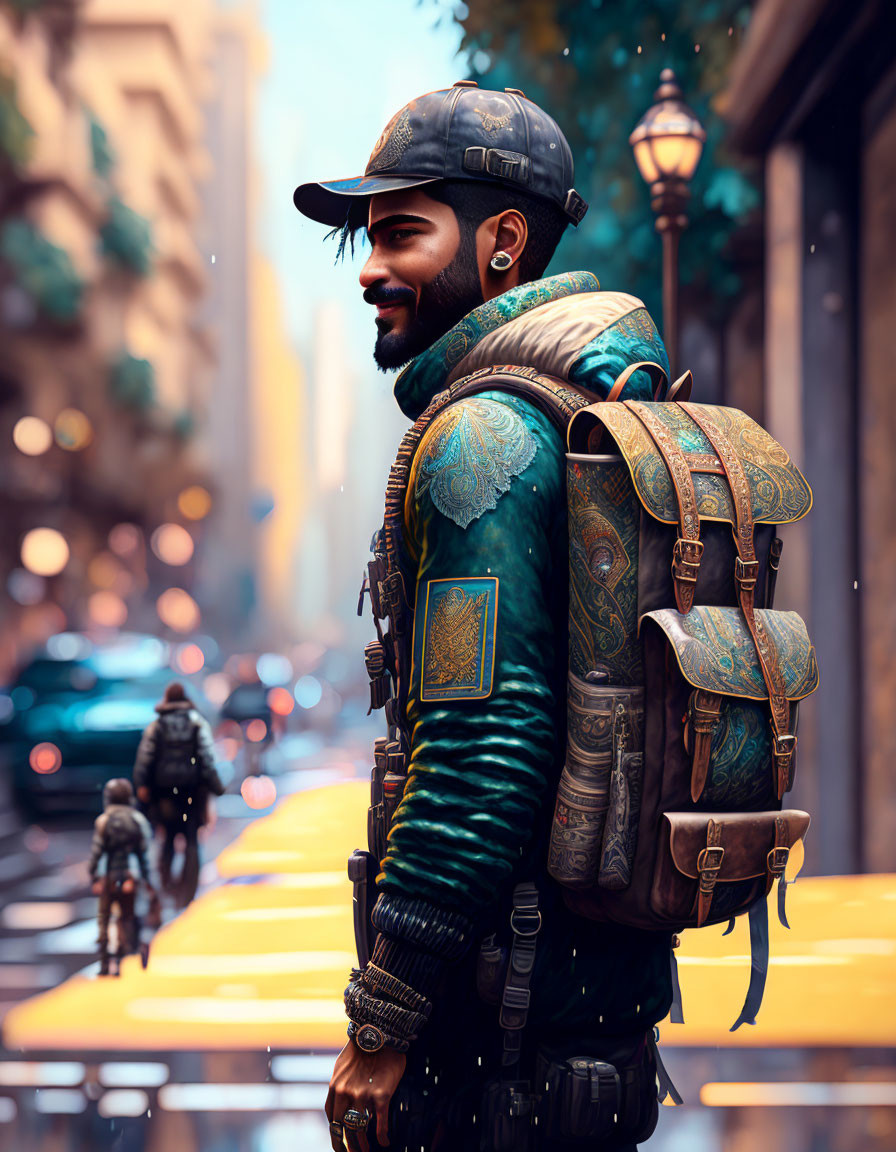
(779,491)
(740,763)
(469,456)
(715,650)
(603,579)
(456,638)
(632,337)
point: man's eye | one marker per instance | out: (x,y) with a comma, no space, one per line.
(402,233)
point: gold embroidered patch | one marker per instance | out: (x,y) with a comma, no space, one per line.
(454,638)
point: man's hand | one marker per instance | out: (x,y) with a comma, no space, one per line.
(143,794)
(366,1081)
(97,886)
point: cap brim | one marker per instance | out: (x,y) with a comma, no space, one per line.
(329,203)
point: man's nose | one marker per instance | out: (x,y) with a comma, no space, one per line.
(373,272)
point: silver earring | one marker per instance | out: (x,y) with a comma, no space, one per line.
(501,261)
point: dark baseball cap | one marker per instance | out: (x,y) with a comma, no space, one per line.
(460,133)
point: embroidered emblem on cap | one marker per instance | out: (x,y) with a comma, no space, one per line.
(454,638)
(394,142)
(492,122)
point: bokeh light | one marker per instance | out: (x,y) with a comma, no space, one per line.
(258,791)
(45,758)
(68,646)
(178,610)
(173,544)
(73,430)
(308,692)
(227,748)
(256,730)
(125,539)
(216,686)
(25,588)
(272,668)
(44,551)
(107,609)
(280,701)
(32,436)
(103,570)
(194,503)
(189,659)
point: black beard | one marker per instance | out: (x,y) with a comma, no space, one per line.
(444,302)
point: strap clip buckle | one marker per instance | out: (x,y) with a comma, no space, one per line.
(686,559)
(708,864)
(746,573)
(776,860)
(525,922)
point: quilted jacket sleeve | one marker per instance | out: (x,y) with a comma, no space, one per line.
(485,519)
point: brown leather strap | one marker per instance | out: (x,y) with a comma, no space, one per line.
(745,575)
(681,389)
(704,712)
(776,863)
(708,864)
(654,371)
(688,548)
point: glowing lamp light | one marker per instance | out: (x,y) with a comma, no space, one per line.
(216,686)
(45,759)
(32,436)
(107,609)
(173,544)
(73,430)
(178,610)
(668,139)
(44,551)
(194,503)
(256,730)
(258,791)
(280,701)
(189,659)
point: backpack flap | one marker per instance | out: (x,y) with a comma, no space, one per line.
(728,735)
(712,866)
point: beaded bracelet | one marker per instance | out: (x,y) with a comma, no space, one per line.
(375,980)
(366,1009)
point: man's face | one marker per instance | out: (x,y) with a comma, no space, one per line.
(422,274)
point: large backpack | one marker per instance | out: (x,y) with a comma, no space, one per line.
(176,764)
(683,682)
(122,831)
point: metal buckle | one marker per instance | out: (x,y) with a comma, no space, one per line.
(710,859)
(516,997)
(776,860)
(785,746)
(686,554)
(533,916)
(746,572)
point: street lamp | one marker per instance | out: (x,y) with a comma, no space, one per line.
(667,143)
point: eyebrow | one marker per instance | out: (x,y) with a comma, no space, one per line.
(391,221)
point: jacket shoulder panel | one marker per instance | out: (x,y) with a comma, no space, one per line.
(470,454)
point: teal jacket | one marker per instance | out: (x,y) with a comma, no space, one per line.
(486,554)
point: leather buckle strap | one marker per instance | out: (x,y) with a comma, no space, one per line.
(525,922)
(746,573)
(776,861)
(688,548)
(686,557)
(709,863)
(783,749)
(704,710)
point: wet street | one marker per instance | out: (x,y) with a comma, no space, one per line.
(128,1098)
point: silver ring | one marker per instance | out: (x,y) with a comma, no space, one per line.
(354,1119)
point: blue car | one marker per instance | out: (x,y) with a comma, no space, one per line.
(74,717)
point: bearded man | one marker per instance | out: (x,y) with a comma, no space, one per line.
(464,200)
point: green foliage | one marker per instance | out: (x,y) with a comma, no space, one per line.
(102,156)
(42,269)
(126,237)
(15,131)
(132,383)
(185,424)
(594,65)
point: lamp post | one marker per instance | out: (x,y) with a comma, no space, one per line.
(667,142)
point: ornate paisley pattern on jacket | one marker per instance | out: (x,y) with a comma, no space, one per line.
(469,456)
(633,337)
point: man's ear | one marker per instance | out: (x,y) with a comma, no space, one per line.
(507,234)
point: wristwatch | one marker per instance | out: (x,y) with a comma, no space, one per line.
(369,1038)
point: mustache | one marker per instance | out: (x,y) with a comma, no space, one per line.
(378,294)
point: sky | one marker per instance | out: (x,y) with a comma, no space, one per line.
(338,71)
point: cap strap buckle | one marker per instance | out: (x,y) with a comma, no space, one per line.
(498,162)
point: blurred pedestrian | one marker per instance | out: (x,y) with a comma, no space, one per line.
(175,777)
(119,833)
